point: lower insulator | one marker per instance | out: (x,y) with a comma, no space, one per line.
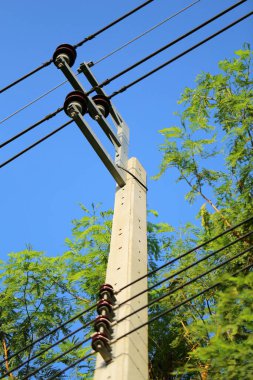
(103,104)
(104,308)
(77,98)
(100,343)
(102,325)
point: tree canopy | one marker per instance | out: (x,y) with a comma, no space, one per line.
(210,337)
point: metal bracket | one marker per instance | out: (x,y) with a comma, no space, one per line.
(117,174)
(95,112)
(122,128)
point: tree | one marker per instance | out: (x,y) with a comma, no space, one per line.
(212,152)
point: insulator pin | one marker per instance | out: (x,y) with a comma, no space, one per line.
(103,104)
(106,292)
(100,343)
(67,52)
(78,99)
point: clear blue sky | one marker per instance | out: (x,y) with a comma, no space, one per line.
(40,192)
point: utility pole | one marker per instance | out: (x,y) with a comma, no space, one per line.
(127,262)
(122,358)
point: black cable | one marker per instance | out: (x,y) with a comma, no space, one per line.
(149,322)
(55,376)
(91,64)
(126,87)
(77,45)
(26,76)
(51,332)
(107,81)
(185,284)
(86,39)
(165,47)
(35,144)
(46,118)
(134,176)
(56,358)
(178,305)
(47,348)
(186,268)
(187,253)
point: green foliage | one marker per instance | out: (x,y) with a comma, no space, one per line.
(209,337)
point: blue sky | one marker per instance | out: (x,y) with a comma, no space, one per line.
(40,192)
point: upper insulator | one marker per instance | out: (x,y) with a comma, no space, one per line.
(106,292)
(67,51)
(103,104)
(77,98)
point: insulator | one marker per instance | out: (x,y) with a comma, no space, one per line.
(103,104)
(102,324)
(78,99)
(66,51)
(106,292)
(104,308)
(100,343)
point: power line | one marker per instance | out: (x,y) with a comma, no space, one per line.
(116,76)
(165,47)
(46,118)
(126,87)
(186,268)
(151,321)
(178,305)
(185,284)
(56,358)
(187,253)
(55,376)
(51,332)
(86,39)
(47,349)
(95,63)
(144,33)
(32,102)
(36,143)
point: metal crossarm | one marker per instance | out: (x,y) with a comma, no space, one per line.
(97,146)
(65,68)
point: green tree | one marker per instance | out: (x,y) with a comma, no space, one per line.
(211,150)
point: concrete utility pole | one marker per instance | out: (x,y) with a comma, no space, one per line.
(127,262)
(128,249)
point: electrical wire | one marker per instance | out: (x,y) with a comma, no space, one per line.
(36,143)
(143,34)
(126,87)
(45,118)
(165,47)
(47,349)
(155,300)
(116,76)
(186,268)
(55,376)
(177,306)
(56,358)
(187,253)
(33,101)
(149,321)
(86,39)
(98,61)
(51,332)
